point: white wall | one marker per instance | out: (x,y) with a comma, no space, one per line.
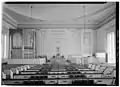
(5,31)
(94,41)
(70,42)
(101,35)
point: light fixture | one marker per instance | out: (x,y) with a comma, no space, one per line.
(30,15)
(30,10)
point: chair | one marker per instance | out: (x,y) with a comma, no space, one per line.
(32,77)
(13,70)
(38,82)
(50,81)
(96,74)
(29,83)
(77,76)
(45,77)
(28,67)
(110,81)
(20,68)
(108,72)
(101,69)
(76,82)
(83,76)
(90,65)
(93,67)
(7,72)
(64,81)
(83,82)
(70,76)
(3,75)
(97,67)
(24,68)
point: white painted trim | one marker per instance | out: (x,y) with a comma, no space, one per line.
(11,18)
(107,20)
(54,26)
(9,21)
(27,61)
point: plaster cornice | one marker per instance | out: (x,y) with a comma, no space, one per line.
(46,26)
(9,20)
(107,20)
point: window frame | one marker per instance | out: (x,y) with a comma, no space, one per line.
(112,47)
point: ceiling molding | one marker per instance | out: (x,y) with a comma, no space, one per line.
(107,20)
(94,13)
(7,7)
(108,25)
(8,21)
(10,18)
(47,26)
(97,12)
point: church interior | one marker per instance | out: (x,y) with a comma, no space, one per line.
(59,44)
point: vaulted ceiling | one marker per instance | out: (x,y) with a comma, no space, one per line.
(91,14)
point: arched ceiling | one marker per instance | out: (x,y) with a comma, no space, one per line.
(59,13)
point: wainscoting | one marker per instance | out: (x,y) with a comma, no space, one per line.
(27,61)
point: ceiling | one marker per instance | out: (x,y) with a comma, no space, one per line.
(59,13)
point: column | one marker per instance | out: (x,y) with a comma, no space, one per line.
(41,42)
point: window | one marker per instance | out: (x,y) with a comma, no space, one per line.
(111,47)
(4,46)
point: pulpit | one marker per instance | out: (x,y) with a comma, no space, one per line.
(58,58)
(58,52)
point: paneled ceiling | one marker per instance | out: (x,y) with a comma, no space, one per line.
(59,13)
